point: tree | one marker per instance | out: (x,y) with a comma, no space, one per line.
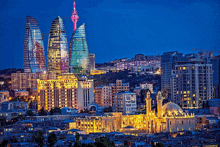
(86,111)
(31,105)
(18,118)
(104,142)
(164,93)
(70,144)
(29,113)
(109,109)
(4,143)
(42,112)
(52,139)
(159,144)
(77,136)
(39,138)
(14,140)
(2,121)
(55,110)
(29,91)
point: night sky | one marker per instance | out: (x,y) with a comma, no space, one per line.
(115,28)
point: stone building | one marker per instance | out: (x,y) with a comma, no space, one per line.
(169,118)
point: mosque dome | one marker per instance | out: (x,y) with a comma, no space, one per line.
(172,109)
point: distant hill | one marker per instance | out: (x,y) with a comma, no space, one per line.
(10,70)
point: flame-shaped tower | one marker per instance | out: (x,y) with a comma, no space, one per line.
(74,16)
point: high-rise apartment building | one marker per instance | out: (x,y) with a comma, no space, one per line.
(119,86)
(103,96)
(22,81)
(216,75)
(91,62)
(65,91)
(78,51)
(125,102)
(85,92)
(33,54)
(57,52)
(192,83)
(60,92)
(168,62)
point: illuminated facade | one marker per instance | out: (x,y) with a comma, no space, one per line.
(61,92)
(168,61)
(22,81)
(125,102)
(57,52)
(85,92)
(97,72)
(65,91)
(119,86)
(103,96)
(79,53)
(192,83)
(169,118)
(91,62)
(34,59)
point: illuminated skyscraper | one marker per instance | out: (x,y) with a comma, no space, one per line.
(91,62)
(57,52)
(34,59)
(79,54)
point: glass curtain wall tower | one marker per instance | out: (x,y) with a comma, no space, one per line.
(79,61)
(34,58)
(79,53)
(57,52)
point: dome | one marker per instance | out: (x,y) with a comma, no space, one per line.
(172,109)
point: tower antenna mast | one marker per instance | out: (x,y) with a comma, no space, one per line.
(74,16)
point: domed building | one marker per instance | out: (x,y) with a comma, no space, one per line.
(172,109)
(168,118)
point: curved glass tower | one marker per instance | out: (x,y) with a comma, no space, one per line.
(57,51)
(79,56)
(34,59)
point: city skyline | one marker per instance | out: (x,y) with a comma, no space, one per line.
(146,33)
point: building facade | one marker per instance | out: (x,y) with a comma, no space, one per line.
(146,85)
(85,92)
(65,91)
(91,62)
(119,86)
(22,81)
(169,118)
(125,102)
(79,53)
(103,96)
(216,75)
(192,83)
(33,54)
(4,94)
(60,92)
(57,52)
(168,62)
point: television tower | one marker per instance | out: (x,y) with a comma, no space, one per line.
(74,16)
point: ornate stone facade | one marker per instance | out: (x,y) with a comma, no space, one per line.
(169,118)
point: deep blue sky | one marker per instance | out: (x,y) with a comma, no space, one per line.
(115,28)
